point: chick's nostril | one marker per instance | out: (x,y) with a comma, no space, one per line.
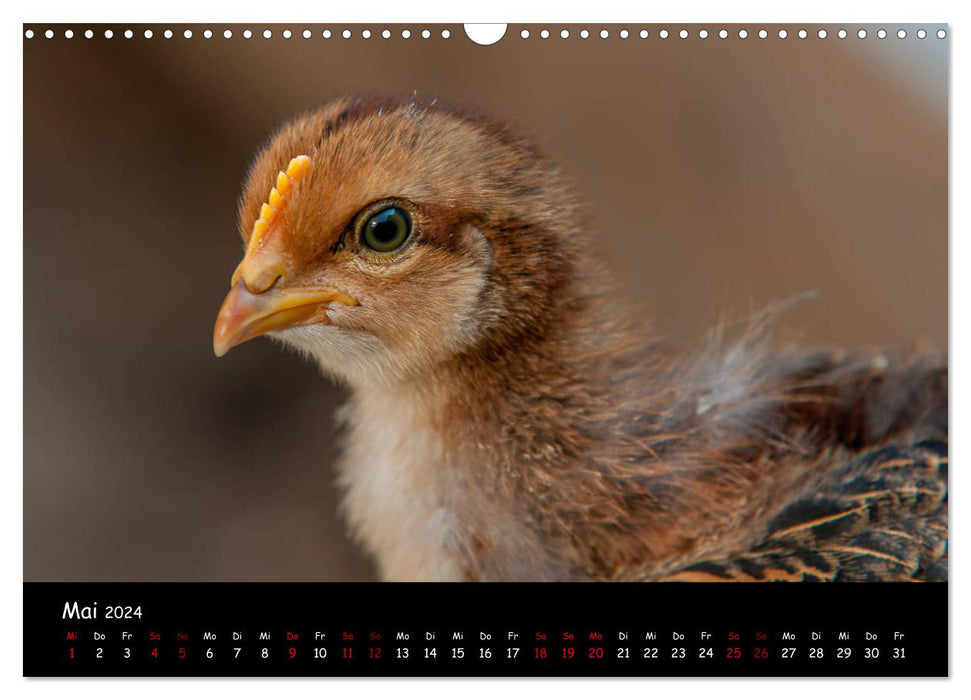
(263,281)
(260,271)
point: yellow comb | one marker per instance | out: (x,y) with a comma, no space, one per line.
(285,181)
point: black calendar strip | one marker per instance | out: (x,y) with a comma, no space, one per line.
(332,629)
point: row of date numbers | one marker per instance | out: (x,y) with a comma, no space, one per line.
(539,653)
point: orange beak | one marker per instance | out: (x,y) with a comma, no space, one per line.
(258,302)
(245,315)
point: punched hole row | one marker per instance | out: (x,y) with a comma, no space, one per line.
(446,34)
(245,34)
(725,34)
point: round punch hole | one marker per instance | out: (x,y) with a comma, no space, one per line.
(405,34)
(743,34)
(703,34)
(187,33)
(821,33)
(921,34)
(287,34)
(565,34)
(841,33)
(69,34)
(307,34)
(584,34)
(882,34)
(386,34)
(783,33)
(425,34)
(228,34)
(723,34)
(446,34)
(109,33)
(604,34)
(803,33)
(485,34)
(29,34)
(524,34)
(644,34)
(663,33)
(763,34)
(941,34)
(207,34)
(545,34)
(861,33)
(366,34)
(88,34)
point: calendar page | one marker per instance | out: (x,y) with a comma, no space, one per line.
(485,350)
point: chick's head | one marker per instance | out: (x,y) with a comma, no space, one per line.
(384,236)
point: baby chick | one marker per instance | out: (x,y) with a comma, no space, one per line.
(508,420)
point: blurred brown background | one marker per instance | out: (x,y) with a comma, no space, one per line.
(722,174)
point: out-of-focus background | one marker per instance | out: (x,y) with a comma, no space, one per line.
(722,175)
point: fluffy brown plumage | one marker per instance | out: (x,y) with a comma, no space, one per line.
(509,421)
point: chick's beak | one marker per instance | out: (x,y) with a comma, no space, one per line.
(245,315)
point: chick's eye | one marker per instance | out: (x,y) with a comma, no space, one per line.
(387,230)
